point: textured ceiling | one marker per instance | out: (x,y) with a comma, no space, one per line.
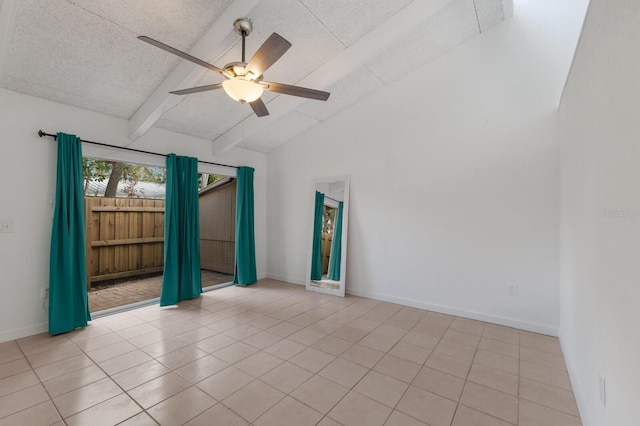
(85,53)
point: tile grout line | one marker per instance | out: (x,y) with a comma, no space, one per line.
(349,389)
(286,394)
(421,366)
(111,379)
(466,380)
(41,384)
(244,304)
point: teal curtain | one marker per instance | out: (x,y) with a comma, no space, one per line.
(245,253)
(336,247)
(68,304)
(316,252)
(181,279)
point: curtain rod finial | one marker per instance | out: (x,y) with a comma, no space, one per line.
(41,133)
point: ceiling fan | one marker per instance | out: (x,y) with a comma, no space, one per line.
(244,79)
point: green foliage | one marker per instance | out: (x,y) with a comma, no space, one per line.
(94,169)
(214,179)
(98,170)
(328,219)
(211,178)
(140,173)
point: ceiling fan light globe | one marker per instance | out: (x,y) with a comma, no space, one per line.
(242,90)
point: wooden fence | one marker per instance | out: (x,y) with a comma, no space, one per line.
(217,227)
(124,237)
(326,251)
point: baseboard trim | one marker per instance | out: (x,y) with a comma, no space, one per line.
(479,316)
(285,279)
(19,333)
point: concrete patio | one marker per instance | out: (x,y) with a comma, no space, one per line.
(133,291)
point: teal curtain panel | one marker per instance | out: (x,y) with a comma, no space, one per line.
(316,252)
(336,247)
(68,303)
(181,279)
(245,252)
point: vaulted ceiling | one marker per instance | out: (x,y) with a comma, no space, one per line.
(85,53)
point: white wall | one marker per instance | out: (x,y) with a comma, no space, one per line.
(27,182)
(600,237)
(454,177)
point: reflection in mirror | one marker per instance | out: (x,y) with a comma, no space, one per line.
(326,272)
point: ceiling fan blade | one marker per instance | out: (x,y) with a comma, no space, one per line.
(259,107)
(197,89)
(181,54)
(302,92)
(270,51)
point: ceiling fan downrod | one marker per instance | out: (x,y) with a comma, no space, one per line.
(243,26)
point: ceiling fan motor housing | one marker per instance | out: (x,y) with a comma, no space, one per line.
(238,69)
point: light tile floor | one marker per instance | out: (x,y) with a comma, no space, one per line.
(275,354)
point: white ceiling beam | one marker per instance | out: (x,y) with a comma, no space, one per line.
(347,61)
(187,74)
(7,8)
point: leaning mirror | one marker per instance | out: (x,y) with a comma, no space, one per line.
(326,267)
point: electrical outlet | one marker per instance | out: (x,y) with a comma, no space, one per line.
(513,290)
(6,226)
(603,390)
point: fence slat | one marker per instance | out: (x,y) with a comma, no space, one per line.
(121,231)
(148,230)
(93,233)
(106,233)
(124,237)
(135,231)
(158,230)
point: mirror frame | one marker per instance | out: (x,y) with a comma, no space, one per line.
(345,231)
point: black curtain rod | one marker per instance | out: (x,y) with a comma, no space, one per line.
(332,199)
(43,134)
